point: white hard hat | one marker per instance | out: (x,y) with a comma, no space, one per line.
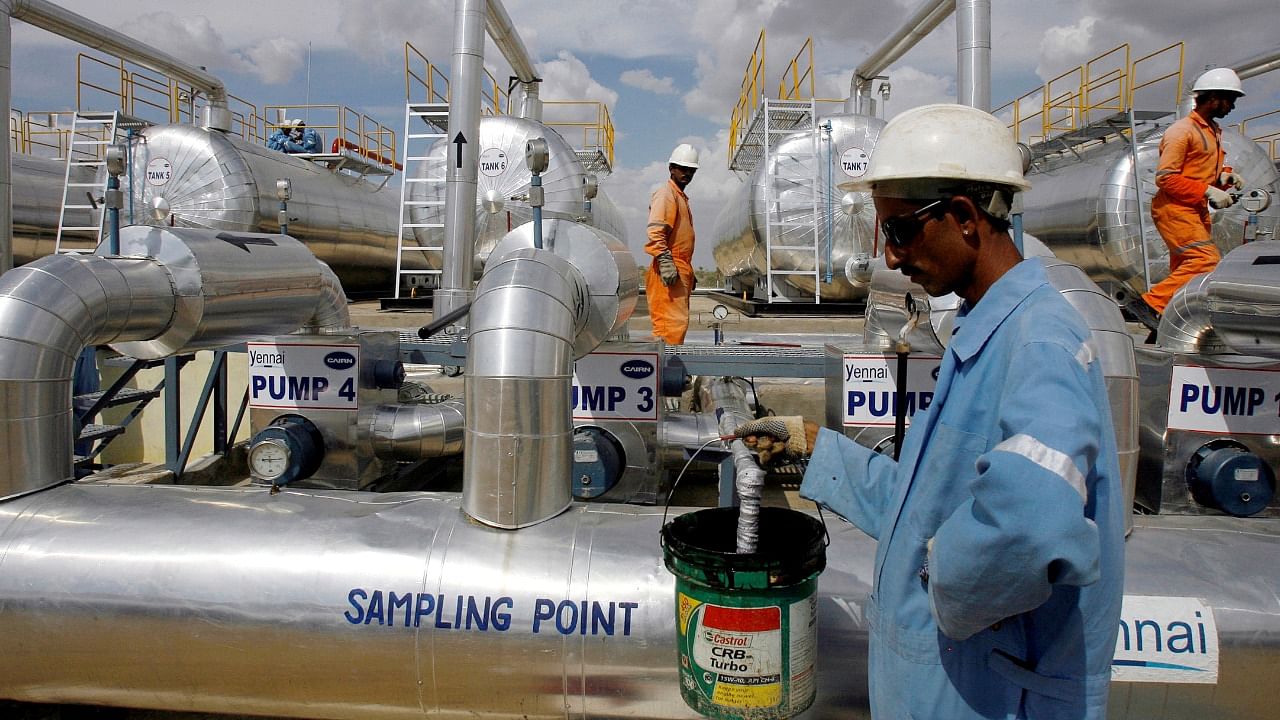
(947,143)
(297,122)
(685,156)
(1224,79)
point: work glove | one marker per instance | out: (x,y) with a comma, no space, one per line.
(1218,199)
(788,436)
(667,268)
(1231,178)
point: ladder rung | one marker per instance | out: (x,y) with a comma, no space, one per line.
(88,162)
(793,272)
(90,185)
(428,248)
(95,228)
(78,207)
(421,272)
(423,225)
(424,180)
(423,136)
(425,203)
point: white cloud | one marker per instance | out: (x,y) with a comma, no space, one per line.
(1065,46)
(567,78)
(195,39)
(646,80)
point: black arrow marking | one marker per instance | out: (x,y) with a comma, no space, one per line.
(459,140)
(244,241)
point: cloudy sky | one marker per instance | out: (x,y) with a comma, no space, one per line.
(669,70)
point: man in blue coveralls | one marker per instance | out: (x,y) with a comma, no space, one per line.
(1000,560)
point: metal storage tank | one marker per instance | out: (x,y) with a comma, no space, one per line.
(502,190)
(37,200)
(740,239)
(192,177)
(1084,207)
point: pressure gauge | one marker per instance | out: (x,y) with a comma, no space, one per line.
(291,448)
(719,312)
(269,460)
(536,155)
(1256,200)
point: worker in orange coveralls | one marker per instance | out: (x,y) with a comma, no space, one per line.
(670,282)
(1191,178)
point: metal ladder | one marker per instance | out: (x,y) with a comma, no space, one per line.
(91,133)
(791,198)
(435,118)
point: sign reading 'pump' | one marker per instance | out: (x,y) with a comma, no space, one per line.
(286,376)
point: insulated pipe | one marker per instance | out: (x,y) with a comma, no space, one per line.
(331,309)
(50,310)
(504,35)
(529,308)
(928,16)
(973,53)
(6,154)
(417,432)
(728,399)
(1263,62)
(1185,326)
(60,21)
(461,173)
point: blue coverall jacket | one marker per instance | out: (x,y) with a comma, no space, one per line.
(1012,473)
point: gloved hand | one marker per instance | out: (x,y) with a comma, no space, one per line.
(1231,178)
(667,268)
(789,436)
(1218,199)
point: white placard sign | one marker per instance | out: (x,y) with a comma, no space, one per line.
(286,376)
(493,162)
(1224,400)
(159,172)
(616,386)
(870,383)
(1166,640)
(854,162)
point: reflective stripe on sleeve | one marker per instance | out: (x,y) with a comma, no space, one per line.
(1046,457)
(1086,354)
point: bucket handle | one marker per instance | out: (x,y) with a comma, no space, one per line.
(804,467)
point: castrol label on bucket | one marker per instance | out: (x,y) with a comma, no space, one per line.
(736,654)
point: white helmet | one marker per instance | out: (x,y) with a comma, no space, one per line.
(944,142)
(297,122)
(1224,79)
(685,156)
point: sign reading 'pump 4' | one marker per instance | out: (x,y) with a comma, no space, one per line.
(288,376)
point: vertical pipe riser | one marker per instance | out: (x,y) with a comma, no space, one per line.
(519,447)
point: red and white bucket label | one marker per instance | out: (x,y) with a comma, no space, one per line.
(739,653)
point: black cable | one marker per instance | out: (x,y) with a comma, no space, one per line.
(672,491)
(436,326)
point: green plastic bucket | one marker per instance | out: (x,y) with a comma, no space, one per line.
(746,624)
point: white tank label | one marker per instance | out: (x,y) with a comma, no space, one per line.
(493,162)
(159,172)
(854,162)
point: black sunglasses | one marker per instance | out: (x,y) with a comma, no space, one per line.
(900,230)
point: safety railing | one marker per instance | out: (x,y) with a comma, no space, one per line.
(586,121)
(103,85)
(341,129)
(798,73)
(1062,97)
(1264,129)
(423,81)
(1100,88)
(1165,68)
(749,96)
(1104,91)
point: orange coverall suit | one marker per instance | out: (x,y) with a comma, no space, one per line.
(670,228)
(1191,159)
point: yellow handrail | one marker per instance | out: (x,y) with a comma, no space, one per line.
(596,134)
(1157,56)
(1270,138)
(431,80)
(749,95)
(1107,83)
(1103,88)
(793,72)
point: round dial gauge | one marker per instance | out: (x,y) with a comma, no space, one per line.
(269,459)
(719,312)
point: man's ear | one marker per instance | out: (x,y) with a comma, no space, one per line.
(967,215)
